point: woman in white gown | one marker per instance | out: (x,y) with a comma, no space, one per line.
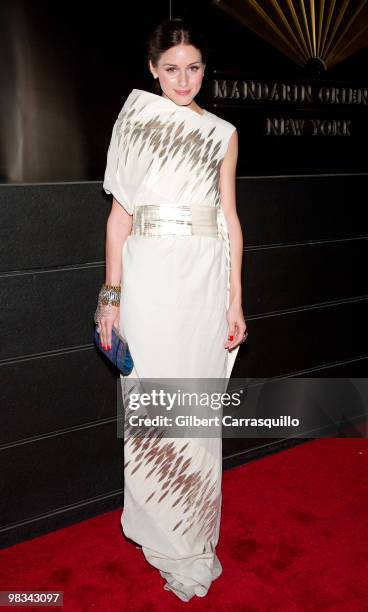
(174,247)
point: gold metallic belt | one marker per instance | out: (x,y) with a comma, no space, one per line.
(175,220)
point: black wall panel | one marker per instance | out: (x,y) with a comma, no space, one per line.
(52,393)
(53,225)
(305,300)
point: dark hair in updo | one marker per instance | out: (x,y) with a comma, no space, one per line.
(172,32)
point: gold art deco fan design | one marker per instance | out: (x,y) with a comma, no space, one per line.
(307,31)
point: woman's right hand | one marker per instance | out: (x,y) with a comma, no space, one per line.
(105,324)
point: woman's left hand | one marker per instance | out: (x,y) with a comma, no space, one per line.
(237,326)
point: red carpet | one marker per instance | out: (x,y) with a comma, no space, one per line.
(294,537)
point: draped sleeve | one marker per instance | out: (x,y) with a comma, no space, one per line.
(122,173)
(113,181)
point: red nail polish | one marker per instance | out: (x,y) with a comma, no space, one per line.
(231,337)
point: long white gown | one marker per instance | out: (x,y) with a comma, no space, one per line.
(175,292)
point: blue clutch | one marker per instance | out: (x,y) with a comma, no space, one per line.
(119,353)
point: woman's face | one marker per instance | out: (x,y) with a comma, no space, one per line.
(180,72)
